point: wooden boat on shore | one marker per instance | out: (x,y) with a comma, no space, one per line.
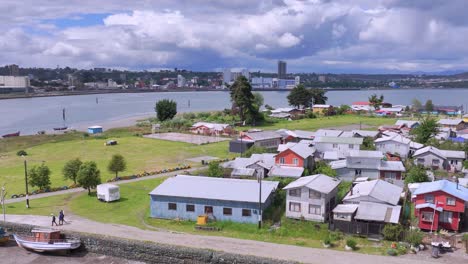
(46,240)
(60,128)
(16,134)
(4,238)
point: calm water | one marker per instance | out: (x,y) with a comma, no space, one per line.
(33,114)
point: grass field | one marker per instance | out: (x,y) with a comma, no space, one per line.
(141,153)
(133,210)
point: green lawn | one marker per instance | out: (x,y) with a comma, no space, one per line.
(331,121)
(142,154)
(133,210)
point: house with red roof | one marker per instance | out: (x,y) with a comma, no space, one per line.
(440,205)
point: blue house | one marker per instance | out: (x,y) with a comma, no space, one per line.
(187,197)
(95,129)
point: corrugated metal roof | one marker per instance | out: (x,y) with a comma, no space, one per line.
(366,154)
(215,188)
(338,164)
(377,189)
(318,182)
(457,154)
(450,122)
(408,123)
(331,155)
(369,211)
(285,171)
(345,208)
(365,133)
(215,126)
(338,140)
(392,165)
(262,135)
(243,172)
(445,186)
(347,134)
(328,133)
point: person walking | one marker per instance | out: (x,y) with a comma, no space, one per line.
(61,217)
(53,220)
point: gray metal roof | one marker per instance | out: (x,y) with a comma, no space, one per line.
(457,154)
(328,133)
(243,172)
(263,135)
(331,155)
(304,134)
(369,211)
(378,189)
(338,164)
(450,122)
(366,154)
(408,123)
(215,188)
(440,152)
(266,158)
(285,171)
(338,140)
(365,133)
(347,134)
(392,165)
(318,182)
(445,186)
(345,208)
(303,150)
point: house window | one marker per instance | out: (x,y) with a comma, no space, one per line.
(420,161)
(357,172)
(315,209)
(450,201)
(390,175)
(429,198)
(246,212)
(172,206)
(314,195)
(427,216)
(190,208)
(351,146)
(446,217)
(295,192)
(295,161)
(281,160)
(435,162)
(294,207)
(335,145)
(208,209)
(227,211)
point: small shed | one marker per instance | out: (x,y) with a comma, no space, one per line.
(108,192)
(95,129)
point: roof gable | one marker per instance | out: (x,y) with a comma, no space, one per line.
(443,185)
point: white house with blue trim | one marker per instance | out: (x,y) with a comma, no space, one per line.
(222,199)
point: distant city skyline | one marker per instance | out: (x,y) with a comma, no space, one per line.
(335,36)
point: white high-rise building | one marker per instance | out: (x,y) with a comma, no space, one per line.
(297,80)
(180,81)
(227,76)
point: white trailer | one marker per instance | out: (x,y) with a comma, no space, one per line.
(108,192)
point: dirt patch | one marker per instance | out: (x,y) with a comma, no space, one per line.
(187,138)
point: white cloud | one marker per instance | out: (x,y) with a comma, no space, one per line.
(288,40)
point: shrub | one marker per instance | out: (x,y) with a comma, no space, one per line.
(392,232)
(335,236)
(392,252)
(327,241)
(85,135)
(414,237)
(21,153)
(351,243)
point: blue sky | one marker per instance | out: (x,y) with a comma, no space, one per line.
(343,36)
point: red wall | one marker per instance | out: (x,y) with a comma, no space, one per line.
(440,196)
(288,156)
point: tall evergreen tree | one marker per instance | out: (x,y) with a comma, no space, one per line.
(300,97)
(243,100)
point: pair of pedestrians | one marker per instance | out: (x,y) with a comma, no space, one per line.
(61,218)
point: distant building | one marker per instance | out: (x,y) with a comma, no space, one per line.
(13,70)
(285,83)
(281,69)
(227,76)
(10,84)
(322,78)
(100,69)
(181,82)
(297,80)
(262,83)
(111,84)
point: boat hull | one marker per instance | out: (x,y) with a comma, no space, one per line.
(60,128)
(12,135)
(47,246)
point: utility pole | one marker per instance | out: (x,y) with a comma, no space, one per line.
(260,176)
(26,180)
(3,203)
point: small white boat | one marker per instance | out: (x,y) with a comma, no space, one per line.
(46,240)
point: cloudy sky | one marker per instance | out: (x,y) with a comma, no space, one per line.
(352,36)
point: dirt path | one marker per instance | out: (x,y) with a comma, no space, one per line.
(232,245)
(78,190)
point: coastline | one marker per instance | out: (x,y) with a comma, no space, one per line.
(137,91)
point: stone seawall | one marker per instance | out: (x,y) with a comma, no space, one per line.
(149,252)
